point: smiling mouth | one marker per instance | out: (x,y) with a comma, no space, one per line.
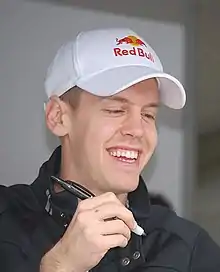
(128,156)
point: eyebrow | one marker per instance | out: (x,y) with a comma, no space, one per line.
(127,101)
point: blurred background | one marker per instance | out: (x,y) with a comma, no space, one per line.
(184,33)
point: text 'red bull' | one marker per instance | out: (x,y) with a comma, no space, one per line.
(134,52)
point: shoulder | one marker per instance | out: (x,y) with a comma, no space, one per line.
(3,198)
(22,220)
(170,223)
(189,245)
(17,196)
(184,228)
(14,232)
(19,210)
(204,251)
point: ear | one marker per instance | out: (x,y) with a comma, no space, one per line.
(56,112)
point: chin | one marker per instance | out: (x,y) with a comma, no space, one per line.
(126,185)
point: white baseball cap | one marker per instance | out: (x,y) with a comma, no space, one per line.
(107,61)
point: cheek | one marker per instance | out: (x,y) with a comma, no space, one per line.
(78,136)
(151,136)
(97,136)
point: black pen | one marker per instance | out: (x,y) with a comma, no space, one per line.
(74,188)
(83,193)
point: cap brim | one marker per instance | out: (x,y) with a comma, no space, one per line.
(112,81)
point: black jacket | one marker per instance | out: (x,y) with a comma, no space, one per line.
(33,218)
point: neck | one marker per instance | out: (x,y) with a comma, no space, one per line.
(67,172)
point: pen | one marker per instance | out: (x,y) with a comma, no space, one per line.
(83,193)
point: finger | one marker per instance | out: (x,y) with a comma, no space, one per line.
(115,227)
(91,203)
(112,210)
(116,240)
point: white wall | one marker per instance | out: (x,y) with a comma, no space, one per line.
(30,35)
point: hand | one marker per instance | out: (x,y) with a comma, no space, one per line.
(90,235)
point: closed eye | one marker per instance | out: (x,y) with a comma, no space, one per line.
(117,111)
(148,116)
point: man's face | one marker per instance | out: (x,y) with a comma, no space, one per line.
(111,139)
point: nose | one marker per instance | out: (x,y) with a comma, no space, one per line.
(133,125)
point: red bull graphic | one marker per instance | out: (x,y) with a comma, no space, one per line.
(136,50)
(132,40)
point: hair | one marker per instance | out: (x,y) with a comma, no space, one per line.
(72,97)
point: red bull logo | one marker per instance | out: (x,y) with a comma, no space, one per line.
(136,50)
(132,40)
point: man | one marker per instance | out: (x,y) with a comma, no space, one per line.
(104,90)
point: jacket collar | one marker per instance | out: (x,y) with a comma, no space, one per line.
(62,205)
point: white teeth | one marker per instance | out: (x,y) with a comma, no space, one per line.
(114,153)
(125,153)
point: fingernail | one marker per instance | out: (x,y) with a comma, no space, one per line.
(135,224)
